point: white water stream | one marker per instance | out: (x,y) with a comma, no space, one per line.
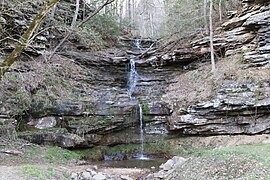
(132,83)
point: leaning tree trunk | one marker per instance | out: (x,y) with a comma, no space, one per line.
(24,40)
(211,37)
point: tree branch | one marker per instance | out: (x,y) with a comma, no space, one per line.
(80,25)
(25,38)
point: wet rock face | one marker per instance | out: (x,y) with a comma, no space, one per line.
(237,109)
(115,157)
(106,110)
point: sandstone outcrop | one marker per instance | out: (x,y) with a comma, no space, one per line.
(237,109)
(246,32)
(97,105)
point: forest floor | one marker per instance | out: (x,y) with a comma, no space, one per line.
(22,160)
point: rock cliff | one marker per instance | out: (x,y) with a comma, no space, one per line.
(80,99)
(237,107)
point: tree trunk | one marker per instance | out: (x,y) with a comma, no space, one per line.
(152,25)
(205,17)
(129,15)
(220,11)
(121,14)
(133,13)
(24,40)
(211,37)
(53,12)
(74,20)
(80,25)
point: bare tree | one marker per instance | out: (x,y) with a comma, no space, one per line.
(205,17)
(211,37)
(220,11)
(129,15)
(80,25)
(76,13)
(24,40)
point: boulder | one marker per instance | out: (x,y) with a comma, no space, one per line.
(86,176)
(45,122)
(125,177)
(99,176)
(74,176)
(168,165)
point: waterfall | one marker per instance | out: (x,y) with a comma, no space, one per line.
(141,156)
(132,83)
(138,44)
(132,78)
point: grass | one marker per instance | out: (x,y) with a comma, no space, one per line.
(258,151)
(95,153)
(239,162)
(32,171)
(60,155)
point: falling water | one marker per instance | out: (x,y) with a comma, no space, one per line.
(132,78)
(132,82)
(138,44)
(141,155)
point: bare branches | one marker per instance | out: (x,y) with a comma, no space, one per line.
(80,25)
(25,38)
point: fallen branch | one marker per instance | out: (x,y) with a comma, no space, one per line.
(10,151)
(149,51)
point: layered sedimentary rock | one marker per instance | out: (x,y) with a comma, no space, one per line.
(97,105)
(237,109)
(246,32)
(96,108)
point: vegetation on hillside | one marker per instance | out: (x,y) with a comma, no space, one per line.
(189,84)
(240,162)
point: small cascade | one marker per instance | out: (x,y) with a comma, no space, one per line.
(132,77)
(138,44)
